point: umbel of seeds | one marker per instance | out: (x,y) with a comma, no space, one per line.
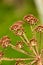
(4,41)
(17,27)
(30,19)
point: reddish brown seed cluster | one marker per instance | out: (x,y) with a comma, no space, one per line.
(39,28)
(19,32)
(17,27)
(33,42)
(1,55)
(30,19)
(5,40)
(19,45)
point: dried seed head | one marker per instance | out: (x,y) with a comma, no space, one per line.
(5,41)
(19,32)
(33,42)
(19,45)
(1,55)
(30,19)
(39,28)
(16,26)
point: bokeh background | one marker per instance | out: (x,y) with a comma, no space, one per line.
(10,12)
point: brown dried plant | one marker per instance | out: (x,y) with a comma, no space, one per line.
(36,57)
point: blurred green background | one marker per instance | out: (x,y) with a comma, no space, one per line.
(10,12)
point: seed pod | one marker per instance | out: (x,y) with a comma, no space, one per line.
(39,28)
(19,45)
(33,42)
(30,19)
(19,32)
(5,40)
(16,26)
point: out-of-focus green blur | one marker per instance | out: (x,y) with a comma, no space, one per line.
(10,12)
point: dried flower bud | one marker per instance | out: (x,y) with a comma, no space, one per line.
(1,55)
(19,45)
(33,42)
(5,41)
(30,19)
(19,32)
(16,26)
(39,28)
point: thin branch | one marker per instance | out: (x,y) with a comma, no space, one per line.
(34,35)
(23,40)
(27,45)
(33,62)
(25,37)
(40,43)
(22,51)
(16,59)
(18,49)
(34,51)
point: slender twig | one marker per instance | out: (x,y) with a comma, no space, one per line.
(33,62)
(31,28)
(27,45)
(16,59)
(23,40)
(18,49)
(37,50)
(25,37)
(22,51)
(40,43)
(34,35)
(34,51)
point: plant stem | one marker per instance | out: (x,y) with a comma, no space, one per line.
(40,43)
(22,51)
(33,62)
(28,45)
(18,49)
(16,59)
(37,50)
(23,40)
(34,51)
(25,37)
(34,36)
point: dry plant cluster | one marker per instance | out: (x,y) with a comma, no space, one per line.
(36,57)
